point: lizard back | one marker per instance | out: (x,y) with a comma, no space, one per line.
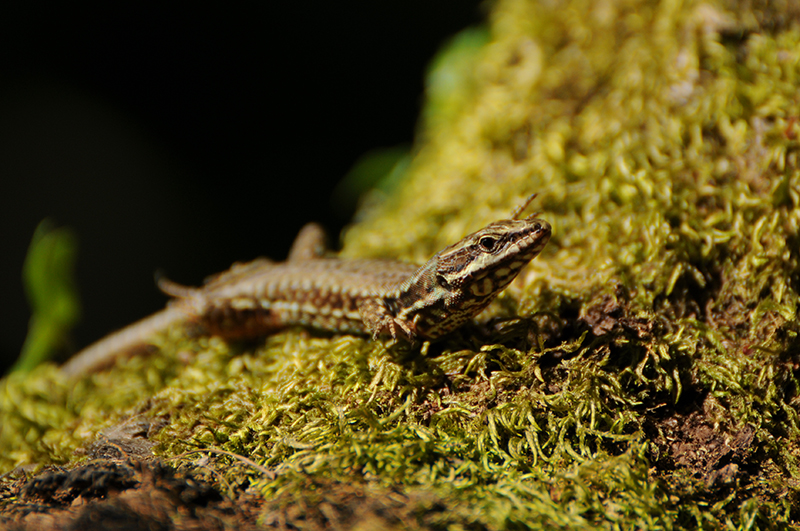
(260,297)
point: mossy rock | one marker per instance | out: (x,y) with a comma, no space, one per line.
(641,373)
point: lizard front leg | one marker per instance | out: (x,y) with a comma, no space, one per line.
(378,319)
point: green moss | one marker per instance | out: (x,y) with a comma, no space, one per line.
(643,370)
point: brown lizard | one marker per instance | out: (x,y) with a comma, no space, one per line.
(352,296)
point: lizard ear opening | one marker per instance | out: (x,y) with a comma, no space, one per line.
(442,281)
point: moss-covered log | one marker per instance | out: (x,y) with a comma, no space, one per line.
(642,373)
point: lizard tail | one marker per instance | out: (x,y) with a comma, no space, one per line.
(130,340)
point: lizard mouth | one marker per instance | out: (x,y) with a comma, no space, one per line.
(537,236)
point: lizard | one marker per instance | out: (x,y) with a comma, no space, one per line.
(348,296)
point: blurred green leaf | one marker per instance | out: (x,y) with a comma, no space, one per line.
(378,169)
(50,288)
(450,81)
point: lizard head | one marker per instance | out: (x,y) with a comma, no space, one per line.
(483,263)
(461,280)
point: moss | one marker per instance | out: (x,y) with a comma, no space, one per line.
(641,373)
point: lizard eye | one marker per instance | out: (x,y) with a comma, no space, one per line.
(488,243)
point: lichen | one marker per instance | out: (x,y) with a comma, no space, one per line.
(642,372)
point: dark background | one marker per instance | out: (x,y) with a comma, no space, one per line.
(184,138)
